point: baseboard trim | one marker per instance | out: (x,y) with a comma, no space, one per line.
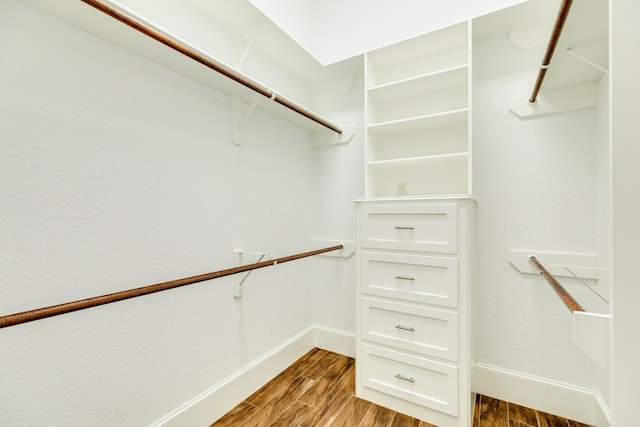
(583,405)
(572,402)
(219,399)
(335,340)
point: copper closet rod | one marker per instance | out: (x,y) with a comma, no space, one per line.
(565,296)
(563,12)
(208,62)
(54,310)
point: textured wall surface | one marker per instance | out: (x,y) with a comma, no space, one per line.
(536,182)
(116,173)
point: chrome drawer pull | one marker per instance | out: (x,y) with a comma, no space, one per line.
(404,228)
(403,378)
(405,278)
(406,328)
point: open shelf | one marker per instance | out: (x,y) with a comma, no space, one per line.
(438,160)
(428,175)
(432,82)
(439,50)
(417,110)
(165,54)
(595,54)
(430,121)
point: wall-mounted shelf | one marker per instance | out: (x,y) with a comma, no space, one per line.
(590,329)
(148,40)
(580,50)
(594,53)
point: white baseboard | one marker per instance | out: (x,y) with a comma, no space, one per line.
(335,340)
(565,400)
(585,406)
(206,408)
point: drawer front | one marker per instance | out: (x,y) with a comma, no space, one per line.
(423,330)
(416,227)
(419,278)
(422,381)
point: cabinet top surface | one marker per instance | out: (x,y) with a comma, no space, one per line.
(414,198)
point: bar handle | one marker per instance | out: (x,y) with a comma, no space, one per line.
(403,378)
(405,278)
(406,328)
(399,227)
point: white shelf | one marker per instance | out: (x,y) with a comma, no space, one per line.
(438,81)
(444,174)
(595,54)
(86,18)
(430,121)
(417,107)
(438,159)
(425,54)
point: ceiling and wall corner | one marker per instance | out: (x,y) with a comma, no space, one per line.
(336,30)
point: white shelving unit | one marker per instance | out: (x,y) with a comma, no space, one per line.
(418,119)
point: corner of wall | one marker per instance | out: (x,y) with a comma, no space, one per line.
(212,404)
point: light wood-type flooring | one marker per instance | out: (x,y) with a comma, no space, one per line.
(318,391)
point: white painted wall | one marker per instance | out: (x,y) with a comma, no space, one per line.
(334,30)
(625,155)
(534,180)
(116,173)
(339,179)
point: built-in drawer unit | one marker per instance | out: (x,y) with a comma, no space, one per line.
(418,278)
(415,379)
(425,330)
(432,227)
(412,329)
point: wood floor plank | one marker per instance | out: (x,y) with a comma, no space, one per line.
(266,415)
(309,360)
(294,415)
(263,395)
(522,415)
(316,371)
(294,399)
(577,424)
(327,381)
(352,413)
(548,420)
(493,412)
(401,420)
(377,416)
(236,416)
(333,402)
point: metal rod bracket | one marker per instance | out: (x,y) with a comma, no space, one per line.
(238,258)
(240,118)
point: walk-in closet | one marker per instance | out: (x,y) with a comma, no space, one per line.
(319,213)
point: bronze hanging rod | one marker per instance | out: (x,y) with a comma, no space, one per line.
(566,298)
(54,310)
(208,62)
(563,12)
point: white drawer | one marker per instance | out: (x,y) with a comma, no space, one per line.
(414,227)
(422,381)
(422,330)
(419,278)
